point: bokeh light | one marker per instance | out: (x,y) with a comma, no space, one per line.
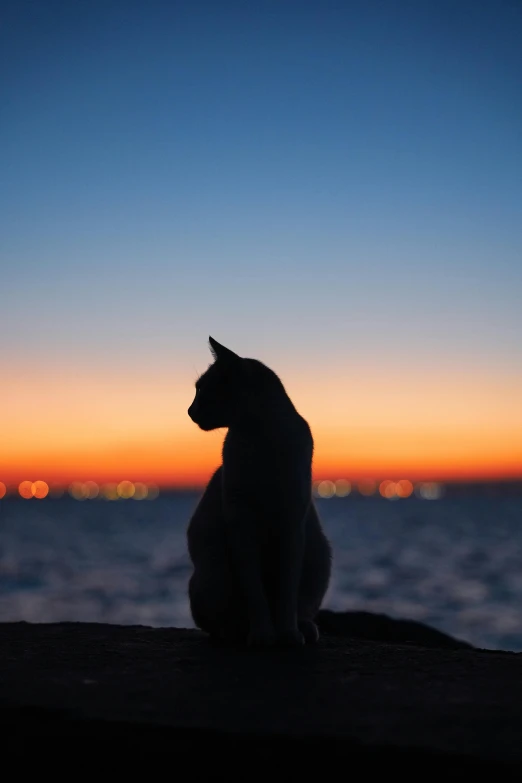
(3,489)
(110,491)
(33,489)
(125,489)
(342,488)
(25,490)
(429,490)
(404,488)
(326,489)
(392,490)
(91,490)
(40,489)
(78,490)
(140,491)
(387,489)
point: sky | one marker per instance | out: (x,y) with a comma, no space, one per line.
(334,188)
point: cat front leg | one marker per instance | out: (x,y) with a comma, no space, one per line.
(245,554)
(291,551)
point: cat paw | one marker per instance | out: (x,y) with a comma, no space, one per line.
(291,637)
(261,637)
(310,631)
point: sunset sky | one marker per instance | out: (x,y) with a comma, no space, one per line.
(334,188)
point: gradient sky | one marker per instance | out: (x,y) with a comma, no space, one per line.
(334,188)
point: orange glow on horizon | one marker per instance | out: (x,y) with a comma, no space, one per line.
(367,427)
(191,462)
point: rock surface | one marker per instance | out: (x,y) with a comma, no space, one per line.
(382,628)
(131,689)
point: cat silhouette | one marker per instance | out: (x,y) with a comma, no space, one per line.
(261,561)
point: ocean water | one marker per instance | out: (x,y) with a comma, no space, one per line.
(455,563)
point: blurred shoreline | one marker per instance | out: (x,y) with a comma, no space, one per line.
(361,489)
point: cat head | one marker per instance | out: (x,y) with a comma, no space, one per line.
(230,388)
(218,390)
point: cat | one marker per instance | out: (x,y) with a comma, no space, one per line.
(261,561)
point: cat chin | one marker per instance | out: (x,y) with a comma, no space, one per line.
(203,425)
(208,427)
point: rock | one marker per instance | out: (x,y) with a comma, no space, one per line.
(102,690)
(382,628)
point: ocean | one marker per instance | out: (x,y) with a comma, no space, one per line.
(455,562)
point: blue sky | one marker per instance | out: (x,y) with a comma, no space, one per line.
(302,180)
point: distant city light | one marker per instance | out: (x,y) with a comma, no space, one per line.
(110,491)
(81,490)
(326,489)
(40,489)
(125,489)
(92,489)
(78,491)
(25,489)
(404,488)
(87,490)
(429,490)
(140,491)
(33,489)
(342,488)
(388,489)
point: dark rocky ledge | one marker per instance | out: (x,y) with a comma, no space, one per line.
(407,696)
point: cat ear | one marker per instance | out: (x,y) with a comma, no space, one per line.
(219,351)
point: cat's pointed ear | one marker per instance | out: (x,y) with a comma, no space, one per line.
(219,351)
